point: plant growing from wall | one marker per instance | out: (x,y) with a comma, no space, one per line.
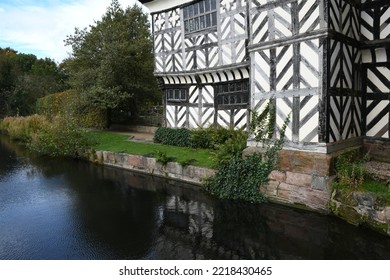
(350,171)
(240,178)
(352,176)
(163,158)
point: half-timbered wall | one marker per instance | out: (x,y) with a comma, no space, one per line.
(325,63)
(344,57)
(207,53)
(375,30)
(287,53)
(223,45)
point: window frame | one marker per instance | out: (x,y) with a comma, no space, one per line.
(179,91)
(232,94)
(200,16)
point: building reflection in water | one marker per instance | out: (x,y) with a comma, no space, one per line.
(108,213)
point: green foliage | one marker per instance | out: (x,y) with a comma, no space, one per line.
(350,170)
(57,137)
(24,79)
(112,62)
(61,138)
(351,176)
(58,104)
(173,136)
(240,178)
(187,162)
(231,148)
(381,189)
(263,125)
(67,104)
(220,135)
(202,138)
(162,157)
(210,138)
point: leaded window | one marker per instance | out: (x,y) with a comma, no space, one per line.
(176,94)
(200,15)
(232,93)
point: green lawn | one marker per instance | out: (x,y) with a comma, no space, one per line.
(108,141)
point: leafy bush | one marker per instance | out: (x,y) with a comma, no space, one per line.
(61,138)
(220,135)
(232,147)
(173,136)
(202,138)
(240,178)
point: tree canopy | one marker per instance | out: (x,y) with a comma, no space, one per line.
(23,79)
(112,61)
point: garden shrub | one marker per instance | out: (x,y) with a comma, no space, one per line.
(92,118)
(61,138)
(213,138)
(232,147)
(220,135)
(57,103)
(202,138)
(173,136)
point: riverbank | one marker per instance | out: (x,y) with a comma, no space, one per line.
(303,180)
(288,188)
(151,166)
(71,209)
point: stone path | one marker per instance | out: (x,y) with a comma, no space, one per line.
(136,136)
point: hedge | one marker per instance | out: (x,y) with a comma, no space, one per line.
(67,103)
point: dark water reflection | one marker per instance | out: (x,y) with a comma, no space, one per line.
(61,209)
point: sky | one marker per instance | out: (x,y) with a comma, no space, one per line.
(40,27)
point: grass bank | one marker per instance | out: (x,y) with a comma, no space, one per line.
(108,141)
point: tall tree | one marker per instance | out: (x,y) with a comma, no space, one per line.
(112,62)
(43,78)
(24,79)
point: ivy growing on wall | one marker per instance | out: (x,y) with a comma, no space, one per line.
(240,178)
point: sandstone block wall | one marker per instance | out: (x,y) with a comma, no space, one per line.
(148,165)
(303,180)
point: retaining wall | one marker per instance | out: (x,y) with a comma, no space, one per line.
(303,180)
(149,165)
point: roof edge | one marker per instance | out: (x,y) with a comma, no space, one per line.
(155,6)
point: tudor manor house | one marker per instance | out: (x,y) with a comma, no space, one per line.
(326,63)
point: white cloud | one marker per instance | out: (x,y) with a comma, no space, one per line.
(41,30)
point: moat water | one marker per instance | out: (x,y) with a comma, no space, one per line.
(66,209)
